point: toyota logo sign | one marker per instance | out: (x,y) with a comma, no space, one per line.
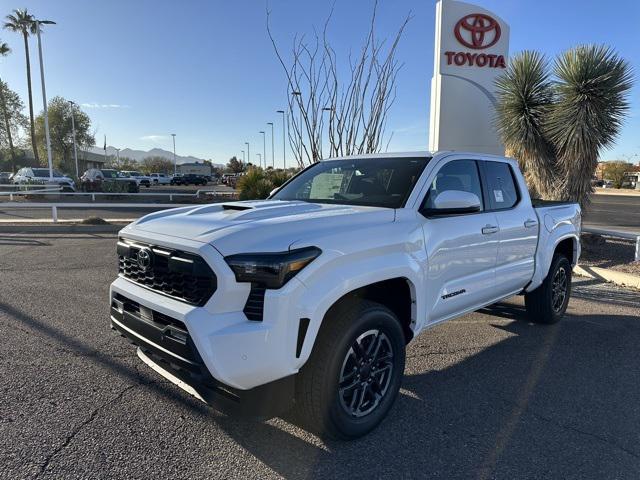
(144,259)
(477,31)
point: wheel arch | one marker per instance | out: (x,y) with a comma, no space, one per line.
(396,292)
(568,244)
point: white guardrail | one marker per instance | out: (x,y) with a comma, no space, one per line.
(56,191)
(616,234)
(54,206)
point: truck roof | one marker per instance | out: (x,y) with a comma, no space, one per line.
(416,154)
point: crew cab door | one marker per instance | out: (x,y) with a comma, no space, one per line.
(461,248)
(518,223)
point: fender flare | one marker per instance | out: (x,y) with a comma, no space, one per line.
(316,300)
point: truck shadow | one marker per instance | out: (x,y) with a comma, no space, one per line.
(544,401)
(539,403)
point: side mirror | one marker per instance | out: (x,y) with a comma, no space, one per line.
(453,202)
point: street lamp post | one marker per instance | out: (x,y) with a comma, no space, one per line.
(175,165)
(299,94)
(73,133)
(244,160)
(273,158)
(264,148)
(284,143)
(44,96)
(259,158)
(248,154)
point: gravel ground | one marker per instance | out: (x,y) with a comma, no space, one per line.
(486,396)
(614,253)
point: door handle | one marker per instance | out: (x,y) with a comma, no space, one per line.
(530,223)
(488,229)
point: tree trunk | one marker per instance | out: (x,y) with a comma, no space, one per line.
(8,127)
(31,120)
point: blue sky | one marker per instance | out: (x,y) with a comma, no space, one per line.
(206,71)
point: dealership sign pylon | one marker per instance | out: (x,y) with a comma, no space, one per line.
(471,50)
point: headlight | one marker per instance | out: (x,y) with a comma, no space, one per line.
(272,270)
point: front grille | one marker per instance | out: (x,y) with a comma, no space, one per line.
(180,275)
(254,307)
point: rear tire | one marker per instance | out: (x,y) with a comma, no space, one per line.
(352,378)
(548,303)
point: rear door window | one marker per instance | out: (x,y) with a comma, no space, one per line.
(501,188)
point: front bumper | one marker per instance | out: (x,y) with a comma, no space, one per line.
(167,347)
(214,348)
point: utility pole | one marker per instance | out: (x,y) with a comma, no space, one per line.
(284,143)
(175,165)
(44,97)
(73,131)
(273,159)
(264,148)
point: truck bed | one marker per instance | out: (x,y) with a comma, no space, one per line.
(538,203)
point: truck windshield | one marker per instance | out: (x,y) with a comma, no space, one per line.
(376,182)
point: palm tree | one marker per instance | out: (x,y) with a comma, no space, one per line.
(4,51)
(23,22)
(556,127)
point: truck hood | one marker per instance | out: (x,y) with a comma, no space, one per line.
(259,226)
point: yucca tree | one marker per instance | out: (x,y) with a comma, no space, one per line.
(21,21)
(4,51)
(525,97)
(556,123)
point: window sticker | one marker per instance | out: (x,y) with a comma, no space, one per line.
(325,185)
(497,194)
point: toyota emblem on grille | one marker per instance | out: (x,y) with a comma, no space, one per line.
(144,259)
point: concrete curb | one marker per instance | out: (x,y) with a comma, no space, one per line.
(52,228)
(608,275)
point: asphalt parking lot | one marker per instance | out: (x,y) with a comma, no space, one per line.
(486,396)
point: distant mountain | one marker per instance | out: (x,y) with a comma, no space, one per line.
(154,152)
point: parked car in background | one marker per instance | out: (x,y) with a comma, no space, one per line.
(311,296)
(33,175)
(226,177)
(5,177)
(142,180)
(94,180)
(189,179)
(160,178)
(232,181)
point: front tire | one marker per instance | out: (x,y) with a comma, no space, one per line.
(352,378)
(548,303)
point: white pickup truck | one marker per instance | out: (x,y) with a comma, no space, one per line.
(309,298)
